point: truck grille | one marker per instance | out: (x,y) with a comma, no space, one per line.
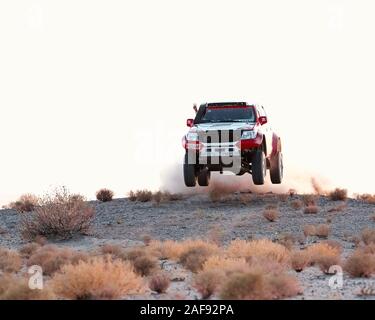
(218,136)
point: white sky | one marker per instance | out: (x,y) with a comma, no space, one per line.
(96,93)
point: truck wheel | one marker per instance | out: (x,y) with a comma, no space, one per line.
(190,178)
(277,168)
(204,178)
(259,167)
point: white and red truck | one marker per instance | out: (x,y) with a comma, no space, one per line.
(231,136)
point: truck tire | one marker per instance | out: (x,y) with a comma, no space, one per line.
(190,178)
(259,167)
(277,168)
(204,177)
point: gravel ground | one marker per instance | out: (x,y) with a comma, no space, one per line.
(237,216)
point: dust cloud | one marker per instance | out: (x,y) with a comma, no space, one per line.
(297,179)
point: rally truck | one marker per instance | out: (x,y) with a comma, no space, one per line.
(231,136)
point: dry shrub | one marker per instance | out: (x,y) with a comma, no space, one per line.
(338,208)
(26,203)
(323,255)
(311,209)
(283,286)
(194,258)
(370,248)
(309,199)
(225,264)
(166,196)
(334,244)
(132,196)
(287,240)
(104,195)
(323,248)
(368,198)
(338,194)
(52,258)
(360,264)
(271,214)
(97,278)
(145,265)
(309,230)
(208,282)
(10,260)
(258,285)
(143,262)
(267,265)
(300,260)
(326,262)
(173,250)
(143,195)
(173,196)
(159,283)
(217,269)
(157,197)
(323,230)
(60,215)
(259,249)
(320,230)
(28,249)
(245,286)
(114,250)
(134,253)
(296,204)
(17,288)
(368,236)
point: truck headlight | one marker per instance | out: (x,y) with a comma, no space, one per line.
(248,134)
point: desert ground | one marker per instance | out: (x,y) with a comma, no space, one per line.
(221,219)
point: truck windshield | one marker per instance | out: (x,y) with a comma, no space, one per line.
(228,114)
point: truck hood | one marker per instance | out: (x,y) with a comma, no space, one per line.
(225,126)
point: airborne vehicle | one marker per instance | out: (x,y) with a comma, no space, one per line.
(231,136)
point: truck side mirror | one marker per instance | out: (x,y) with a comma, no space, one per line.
(190,122)
(262,120)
